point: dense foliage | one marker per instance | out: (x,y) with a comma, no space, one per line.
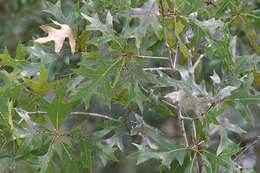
(80,95)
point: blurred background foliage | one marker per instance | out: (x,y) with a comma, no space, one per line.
(20,21)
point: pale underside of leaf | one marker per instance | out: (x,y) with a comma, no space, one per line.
(225,92)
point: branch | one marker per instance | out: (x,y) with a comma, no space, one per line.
(175,107)
(175,57)
(150,57)
(63,76)
(190,67)
(92,115)
(158,69)
(194,137)
(74,114)
(191,71)
(165,38)
(182,125)
(246,148)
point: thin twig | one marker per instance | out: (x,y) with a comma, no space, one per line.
(190,67)
(173,68)
(181,117)
(246,148)
(63,76)
(149,57)
(74,114)
(175,57)
(169,104)
(165,38)
(182,125)
(158,69)
(196,64)
(194,132)
(92,115)
(194,137)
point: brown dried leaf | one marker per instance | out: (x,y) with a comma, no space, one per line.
(58,36)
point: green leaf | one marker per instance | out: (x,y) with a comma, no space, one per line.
(7,60)
(198,35)
(227,4)
(179,27)
(40,87)
(97,79)
(245,112)
(224,52)
(105,151)
(250,32)
(162,110)
(214,162)
(46,159)
(148,15)
(55,10)
(251,99)
(97,25)
(42,52)
(256,77)
(232,127)
(20,53)
(59,108)
(91,54)
(155,145)
(87,156)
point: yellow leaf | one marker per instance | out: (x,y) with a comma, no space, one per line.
(58,36)
(40,87)
(256,77)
